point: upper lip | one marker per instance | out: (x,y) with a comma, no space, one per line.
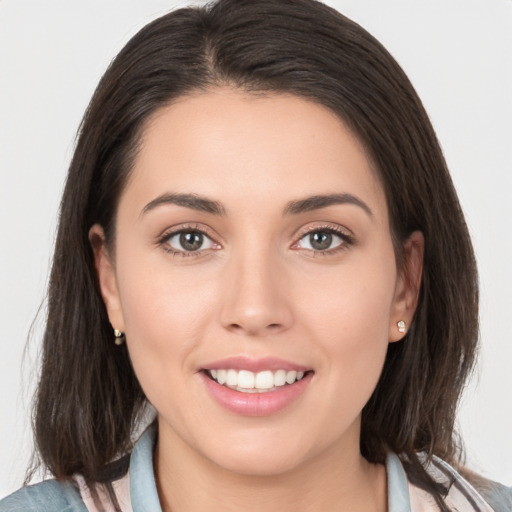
(254,365)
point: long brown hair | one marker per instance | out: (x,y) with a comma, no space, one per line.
(89,400)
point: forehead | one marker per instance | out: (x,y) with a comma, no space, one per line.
(230,145)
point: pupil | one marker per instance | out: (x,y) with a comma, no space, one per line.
(320,240)
(191,241)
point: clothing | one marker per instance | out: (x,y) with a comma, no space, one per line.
(136,490)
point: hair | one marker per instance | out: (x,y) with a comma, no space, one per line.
(89,401)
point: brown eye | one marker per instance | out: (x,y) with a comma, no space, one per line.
(189,241)
(322,240)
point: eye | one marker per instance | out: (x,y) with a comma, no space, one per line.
(189,241)
(322,240)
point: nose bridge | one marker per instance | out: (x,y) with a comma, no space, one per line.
(255,302)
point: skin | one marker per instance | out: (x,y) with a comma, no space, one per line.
(258,289)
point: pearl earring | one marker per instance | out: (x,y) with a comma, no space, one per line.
(119,337)
(401,326)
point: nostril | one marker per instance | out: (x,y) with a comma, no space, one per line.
(253,329)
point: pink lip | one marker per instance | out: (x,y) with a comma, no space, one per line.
(254,365)
(255,404)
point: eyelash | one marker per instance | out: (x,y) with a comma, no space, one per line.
(163,241)
(347,240)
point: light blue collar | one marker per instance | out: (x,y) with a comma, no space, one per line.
(143,493)
(398,489)
(144,496)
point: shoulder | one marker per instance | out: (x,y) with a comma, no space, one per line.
(469,487)
(45,496)
(110,494)
(499,496)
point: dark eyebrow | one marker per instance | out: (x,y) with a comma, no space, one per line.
(193,201)
(322,201)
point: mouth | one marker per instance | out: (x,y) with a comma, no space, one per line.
(246,381)
(255,386)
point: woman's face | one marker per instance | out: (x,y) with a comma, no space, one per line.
(253,247)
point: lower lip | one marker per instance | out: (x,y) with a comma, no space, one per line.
(256,404)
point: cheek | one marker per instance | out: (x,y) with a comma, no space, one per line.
(355,300)
(347,313)
(350,333)
(166,311)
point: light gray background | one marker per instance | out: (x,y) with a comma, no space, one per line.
(458,54)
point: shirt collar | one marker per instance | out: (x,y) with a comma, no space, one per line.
(398,488)
(144,496)
(143,493)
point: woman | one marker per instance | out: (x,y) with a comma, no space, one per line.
(259,237)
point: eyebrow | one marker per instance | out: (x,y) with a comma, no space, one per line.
(323,201)
(203,204)
(192,201)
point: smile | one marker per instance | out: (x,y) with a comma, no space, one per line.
(246,381)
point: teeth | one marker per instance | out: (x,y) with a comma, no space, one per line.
(231,378)
(245,379)
(221,376)
(280,378)
(291,377)
(250,382)
(264,380)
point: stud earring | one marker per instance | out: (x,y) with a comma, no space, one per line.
(401,326)
(119,337)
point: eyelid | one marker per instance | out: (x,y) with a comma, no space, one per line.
(344,233)
(325,226)
(172,231)
(341,231)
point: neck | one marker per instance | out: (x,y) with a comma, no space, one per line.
(340,480)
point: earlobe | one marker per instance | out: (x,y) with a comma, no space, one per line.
(105,273)
(408,287)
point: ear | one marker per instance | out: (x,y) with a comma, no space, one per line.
(407,286)
(106,275)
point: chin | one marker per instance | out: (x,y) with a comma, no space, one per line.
(259,458)
(259,465)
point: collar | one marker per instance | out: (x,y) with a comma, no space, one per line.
(398,486)
(144,495)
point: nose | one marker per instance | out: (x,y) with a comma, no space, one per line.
(254,301)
